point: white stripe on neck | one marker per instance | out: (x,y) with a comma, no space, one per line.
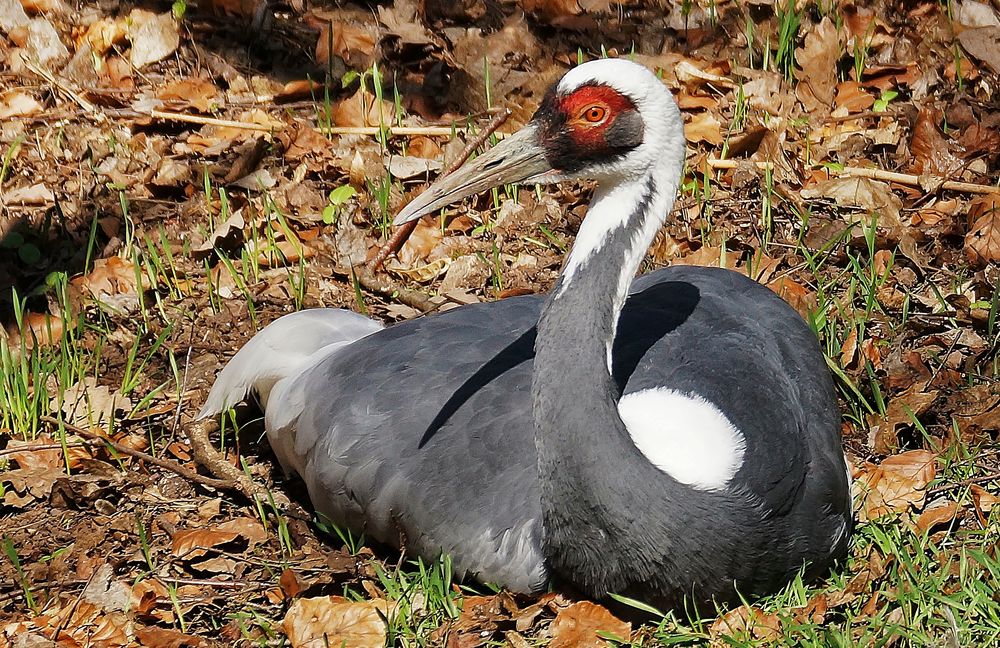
(610,210)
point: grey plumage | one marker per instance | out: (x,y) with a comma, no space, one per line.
(457,471)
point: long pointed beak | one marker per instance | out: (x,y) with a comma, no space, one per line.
(518,158)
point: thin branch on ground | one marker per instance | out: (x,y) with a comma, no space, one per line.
(398,131)
(367,275)
(982,479)
(166,464)
(63,87)
(403,232)
(907,179)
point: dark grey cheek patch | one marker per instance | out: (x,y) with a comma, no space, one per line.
(625,131)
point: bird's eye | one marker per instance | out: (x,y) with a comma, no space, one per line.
(595,114)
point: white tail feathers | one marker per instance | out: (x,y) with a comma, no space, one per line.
(282,349)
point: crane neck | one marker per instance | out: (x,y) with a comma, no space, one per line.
(586,458)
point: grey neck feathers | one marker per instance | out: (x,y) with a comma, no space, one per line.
(593,479)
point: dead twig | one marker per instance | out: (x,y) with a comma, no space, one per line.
(915,181)
(166,464)
(403,232)
(399,131)
(367,277)
(88,107)
(907,179)
(212,121)
(982,479)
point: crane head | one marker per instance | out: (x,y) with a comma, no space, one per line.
(595,123)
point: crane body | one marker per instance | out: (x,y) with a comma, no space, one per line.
(673,435)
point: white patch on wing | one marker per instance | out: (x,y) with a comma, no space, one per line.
(684,435)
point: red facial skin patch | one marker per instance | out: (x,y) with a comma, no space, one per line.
(587,134)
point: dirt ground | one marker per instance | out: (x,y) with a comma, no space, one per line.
(175,176)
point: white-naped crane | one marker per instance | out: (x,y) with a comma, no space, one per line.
(672,435)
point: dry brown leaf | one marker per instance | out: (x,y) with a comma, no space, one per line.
(290,584)
(704,127)
(363,110)
(852,97)
(818,60)
(984,44)
(83,623)
(41,463)
(522,89)
(551,9)
(577,626)
(30,455)
(248,528)
(302,89)
(335,621)
(902,409)
(36,194)
(104,34)
(88,404)
(227,236)
(466,270)
(402,20)
(409,167)
(709,256)
(43,6)
(895,485)
(151,599)
(687,101)
(871,195)
(424,147)
(982,243)
(306,141)
(37,329)
(479,613)
(154,37)
(18,104)
(977,14)
(871,350)
(983,499)
(691,75)
(932,153)
(876,198)
(937,513)
(200,94)
(422,273)
(425,237)
(24,486)
(276,254)
(799,297)
(744,623)
(194,543)
(849,349)
(354,45)
(111,282)
(767,91)
(814,611)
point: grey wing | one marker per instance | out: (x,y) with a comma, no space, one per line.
(735,342)
(421,435)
